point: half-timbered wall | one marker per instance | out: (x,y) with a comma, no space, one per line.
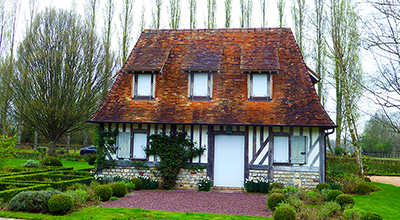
(259,148)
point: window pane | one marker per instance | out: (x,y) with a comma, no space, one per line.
(260,82)
(144,85)
(281,149)
(139,144)
(124,144)
(200,84)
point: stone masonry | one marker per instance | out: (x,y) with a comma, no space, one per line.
(302,180)
(187,179)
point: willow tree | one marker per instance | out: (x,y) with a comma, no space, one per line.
(55,89)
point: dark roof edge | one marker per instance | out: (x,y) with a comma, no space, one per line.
(326,127)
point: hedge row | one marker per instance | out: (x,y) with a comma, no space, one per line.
(7,195)
(33,170)
(337,165)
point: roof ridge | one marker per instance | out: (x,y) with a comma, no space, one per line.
(216,29)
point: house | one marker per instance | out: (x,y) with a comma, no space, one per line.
(245,95)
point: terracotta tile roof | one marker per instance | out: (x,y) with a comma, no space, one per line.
(230,51)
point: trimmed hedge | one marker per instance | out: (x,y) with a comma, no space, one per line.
(338,165)
(7,195)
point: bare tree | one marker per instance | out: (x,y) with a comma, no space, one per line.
(344,52)
(192,9)
(175,14)
(157,14)
(298,15)
(281,10)
(126,20)
(212,10)
(142,19)
(263,8)
(246,9)
(383,30)
(228,13)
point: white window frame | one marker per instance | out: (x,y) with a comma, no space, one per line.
(284,153)
(127,145)
(135,86)
(268,87)
(208,87)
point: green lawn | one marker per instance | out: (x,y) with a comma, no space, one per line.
(75,164)
(121,213)
(385,202)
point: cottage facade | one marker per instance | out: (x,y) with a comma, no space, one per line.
(245,95)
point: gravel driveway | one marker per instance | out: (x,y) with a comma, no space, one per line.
(219,202)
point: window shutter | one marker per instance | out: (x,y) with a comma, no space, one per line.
(260,85)
(281,149)
(144,85)
(124,144)
(298,150)
(200,84)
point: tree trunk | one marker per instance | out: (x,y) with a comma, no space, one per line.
(36,141)
(52,148)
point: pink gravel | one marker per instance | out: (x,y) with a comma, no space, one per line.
(218,202)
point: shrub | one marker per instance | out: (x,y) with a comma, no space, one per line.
(371,216)
(339,151)
(344,199)
(294,202)
(79,196)
(351,214)
(367,179)
(138,183)
(119,189)
(204,184)
(333,194)
(113,198)
(148,183)
(276,185)
(334,185)
(314,197)
(31,201)
(363,188)
(260,185)
(104,192)
(130,185)
(276,190)
(92,159)
(322,186)
(284,213)
(60,204)
(331,209)
(290,190)
(274,199)
(31,163)
(51,161)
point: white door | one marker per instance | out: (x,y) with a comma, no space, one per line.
(229,160)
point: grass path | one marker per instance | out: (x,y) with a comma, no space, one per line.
(385,202)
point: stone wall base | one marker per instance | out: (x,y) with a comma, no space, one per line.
(302,180)
(187,179)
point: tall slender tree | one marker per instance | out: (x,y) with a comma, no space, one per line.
(175,13)
(246,11)
(212,10)
(156,15)
(345,55)
(228,13)
(281,12)
(298,15)
(142,19)
(319,52)
(126,20)
(192,9)
(263,8)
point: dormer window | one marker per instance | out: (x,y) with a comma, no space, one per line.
(200,85)
(260,86)
(143,86)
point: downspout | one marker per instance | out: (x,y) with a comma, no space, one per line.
(325,135)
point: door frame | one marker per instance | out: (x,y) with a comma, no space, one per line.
(225,130)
